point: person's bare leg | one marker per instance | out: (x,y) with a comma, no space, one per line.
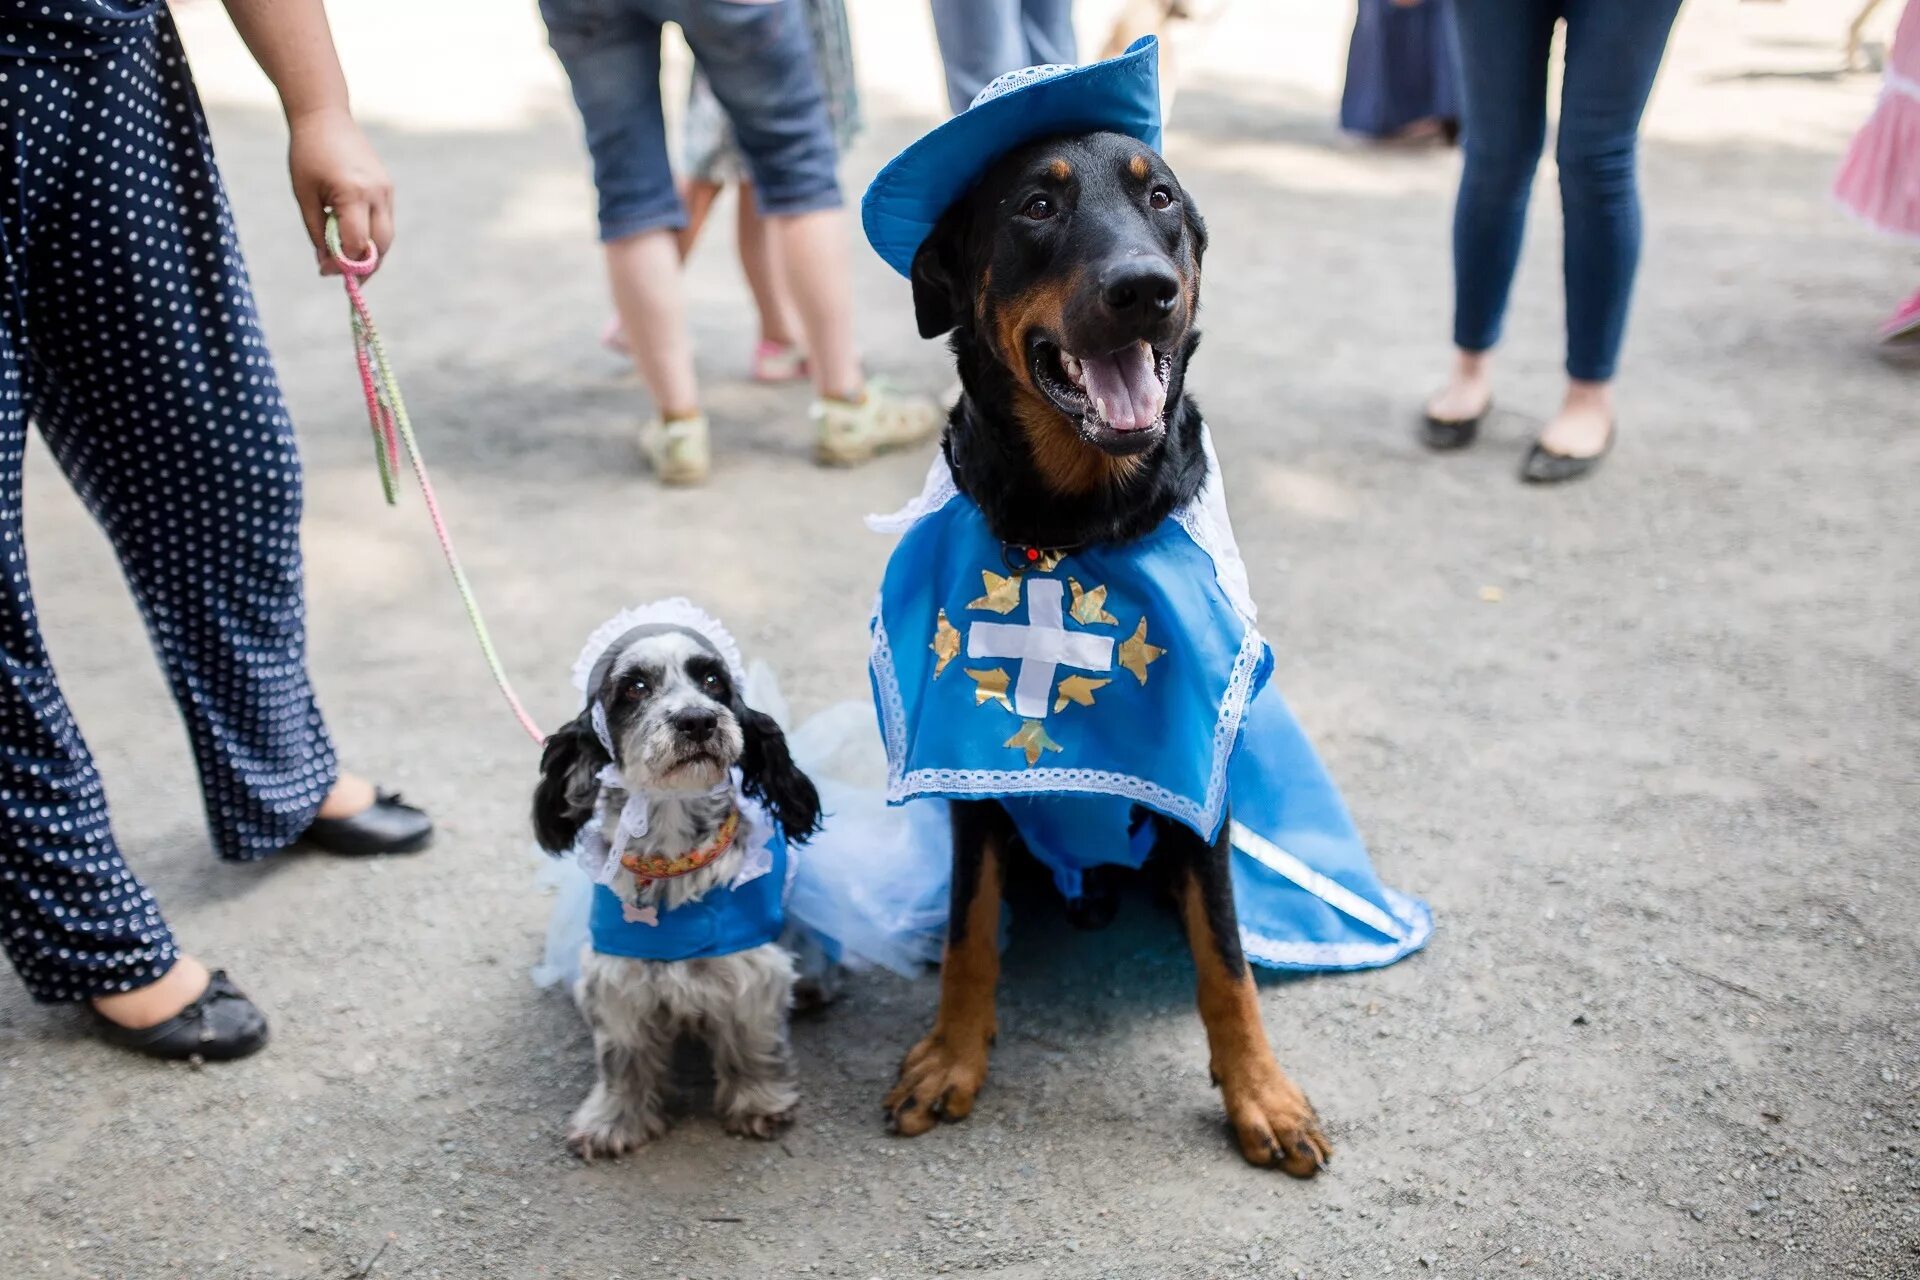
(1469,389)
(760,262)
(699,197)
(812,250)
(153,1004)
(1585,421)
(644,271)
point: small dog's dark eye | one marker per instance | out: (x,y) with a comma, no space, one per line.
(635,689)
(1040,208)
(710,680)
(1160,198)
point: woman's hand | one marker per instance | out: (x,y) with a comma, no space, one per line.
(334,167)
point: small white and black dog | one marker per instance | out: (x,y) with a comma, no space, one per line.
(679,800)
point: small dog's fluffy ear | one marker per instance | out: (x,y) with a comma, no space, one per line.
(769,775)
(569,781)
(934,274)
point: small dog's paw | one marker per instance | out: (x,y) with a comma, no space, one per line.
(938,1081)
(600,1136)
(1277,1128)
(758,1124)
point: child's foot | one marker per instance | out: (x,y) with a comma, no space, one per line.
(851,432)
(676,450)
(778,362)
(1903,323)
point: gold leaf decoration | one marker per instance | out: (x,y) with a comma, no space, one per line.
(990,686)
(946,643)
(1090,607)
(1003,594)
(1049,561)
(1136,655)
(1032,738)
(1078,689)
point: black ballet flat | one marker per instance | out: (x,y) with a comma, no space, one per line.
(1543,466)
(1443,434)
(388,825)
(219,1026)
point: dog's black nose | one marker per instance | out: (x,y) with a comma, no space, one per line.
(1142,289)
(695,722)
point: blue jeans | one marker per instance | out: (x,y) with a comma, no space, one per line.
(1614,49)
(981,40)
(758,59)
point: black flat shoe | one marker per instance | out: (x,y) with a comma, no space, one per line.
(219,1026)
(1443,434)
(1543,466)
(388,825)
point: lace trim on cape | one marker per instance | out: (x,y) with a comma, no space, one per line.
(1291,953)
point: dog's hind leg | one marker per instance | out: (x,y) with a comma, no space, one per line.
(943,1073)
(632,1041)
(1271,1118)
(757,1090)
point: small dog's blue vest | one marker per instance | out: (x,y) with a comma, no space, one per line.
(749,912)
(1081,689)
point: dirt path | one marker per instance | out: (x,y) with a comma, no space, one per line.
(1662,795)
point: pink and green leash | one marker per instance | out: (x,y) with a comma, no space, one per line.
(387,413)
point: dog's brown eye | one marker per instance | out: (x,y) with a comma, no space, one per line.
(1040,208)
(635,690)
(1160,198)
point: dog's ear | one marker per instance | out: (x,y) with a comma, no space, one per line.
(769,775)
(937,303)
(569,782)
(1196,225)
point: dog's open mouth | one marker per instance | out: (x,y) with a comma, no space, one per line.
(1119,399)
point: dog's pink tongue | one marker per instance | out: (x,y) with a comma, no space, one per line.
(1125,393)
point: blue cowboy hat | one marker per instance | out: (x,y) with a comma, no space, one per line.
(905,199)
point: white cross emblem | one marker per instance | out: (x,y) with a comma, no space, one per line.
(1042,645)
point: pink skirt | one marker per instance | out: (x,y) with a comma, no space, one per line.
(1880,178)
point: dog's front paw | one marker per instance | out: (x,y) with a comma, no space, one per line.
(1276,1126)
(938,1081)
(602,1128)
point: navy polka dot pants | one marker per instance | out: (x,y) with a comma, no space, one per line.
(128,337)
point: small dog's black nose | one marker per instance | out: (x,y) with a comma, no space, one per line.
(1141,289)
(695,722)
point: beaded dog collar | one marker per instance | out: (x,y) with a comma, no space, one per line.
(647,868)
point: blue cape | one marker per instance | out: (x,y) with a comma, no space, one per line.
(1116,679)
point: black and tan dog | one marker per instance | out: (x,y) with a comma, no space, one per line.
(1068,279)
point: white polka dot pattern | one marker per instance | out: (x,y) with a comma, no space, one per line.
(128,337)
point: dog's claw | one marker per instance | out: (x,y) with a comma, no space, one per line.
(1277,1128)
(758,1124)
(948,1077)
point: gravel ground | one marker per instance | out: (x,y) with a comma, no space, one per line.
(1659,783)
